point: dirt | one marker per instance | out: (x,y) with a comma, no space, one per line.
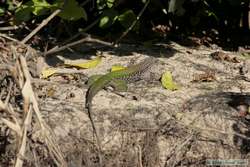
(147,126)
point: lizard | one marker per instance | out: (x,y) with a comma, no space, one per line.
(118,80)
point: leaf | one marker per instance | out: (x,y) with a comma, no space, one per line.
(40,7)
(108,18)
(127,18)
(117,68)
(23,13)
(100,4)
(89,64)
(211,14)
(11,5)
(1,11)
(48,72)
(71,11)
(110,3)
(167,81)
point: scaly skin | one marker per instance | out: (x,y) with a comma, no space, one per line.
(132,73)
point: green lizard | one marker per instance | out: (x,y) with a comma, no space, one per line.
(118,80)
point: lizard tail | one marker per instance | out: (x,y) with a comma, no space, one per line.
(88,105)
(88,100)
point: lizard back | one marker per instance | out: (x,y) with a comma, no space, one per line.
(132,73)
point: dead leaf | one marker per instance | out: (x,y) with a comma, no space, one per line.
(48,72)
(208,76)
(117,68)
(167,81)
(86,64)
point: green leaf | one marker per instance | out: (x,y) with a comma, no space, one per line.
(1,11)
(101,4)
(211,14)
(71,11)
(40,7)
(167,81)
(11,5)
(110,3)
(23,13)
(108,18)
(127,18)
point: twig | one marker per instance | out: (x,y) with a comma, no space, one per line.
(84,3)
(85,29)
(86,39)
(206,129)
(7,37)
(82,31)
(44,23)
(139,155)
(133,24)
(12,125)
(53,148)
(69,71)
(8,28)
(21,152)
(8,95)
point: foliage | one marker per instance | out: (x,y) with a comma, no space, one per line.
(106,16)
(110,16)
(71,10)
(1,11)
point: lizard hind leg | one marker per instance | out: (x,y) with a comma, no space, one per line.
(119,85)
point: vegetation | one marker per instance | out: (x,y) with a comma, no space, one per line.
(222,21)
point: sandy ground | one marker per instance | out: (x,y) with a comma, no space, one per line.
(147,126)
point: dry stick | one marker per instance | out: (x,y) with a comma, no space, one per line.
(86,39)
(192,126)
(53,148)
(139,155)
(84,3)
(7,37)
(133,24)
(13,39)
(179,146)
(44,23)
(21,152)
(8,28)
(82,31)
